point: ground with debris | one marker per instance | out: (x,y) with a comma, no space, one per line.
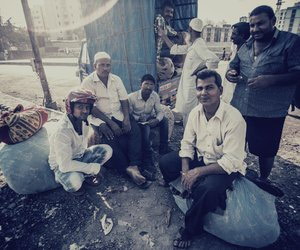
(141,219)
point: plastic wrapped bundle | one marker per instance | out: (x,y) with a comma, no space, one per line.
(250,218)
(25,165)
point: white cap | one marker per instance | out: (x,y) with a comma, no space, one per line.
(101,55)
(196,24)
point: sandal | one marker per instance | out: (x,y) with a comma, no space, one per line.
(183,241)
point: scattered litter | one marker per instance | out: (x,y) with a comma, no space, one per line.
(124,223)
(95,212)
(107,224)
(116,189)
(146,237)
(7,239)
(104,200)
(0,228)
(74,246)
(168,217)
(290,206)
(50,212)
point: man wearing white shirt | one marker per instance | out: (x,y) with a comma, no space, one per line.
(70,158)
(110,118)
(212,153)
(146,109)
(197,53)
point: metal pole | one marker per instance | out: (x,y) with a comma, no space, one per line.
(37,57)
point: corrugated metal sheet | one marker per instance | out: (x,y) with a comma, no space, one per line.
(126,32)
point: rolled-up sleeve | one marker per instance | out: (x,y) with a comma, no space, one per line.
(188,143)
(63,151)
(179,49)
(234,154)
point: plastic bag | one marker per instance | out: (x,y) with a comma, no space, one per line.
(25,165)
(250,218)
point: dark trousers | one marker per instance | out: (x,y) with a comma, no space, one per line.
(126,148)
(146,140)
(208,193)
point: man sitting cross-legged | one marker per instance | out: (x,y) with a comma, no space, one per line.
(211,156)
(70,158)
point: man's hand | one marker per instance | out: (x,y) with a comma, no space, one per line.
(126,127)
(190,177)
(153,122)
(106,131)
(115,128)
(232,75)
(260,82)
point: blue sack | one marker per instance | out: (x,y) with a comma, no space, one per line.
(25,165)
(250,218)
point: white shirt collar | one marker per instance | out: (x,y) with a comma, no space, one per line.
(219,113)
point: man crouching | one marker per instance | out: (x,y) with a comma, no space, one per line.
(212,153)
(70,158)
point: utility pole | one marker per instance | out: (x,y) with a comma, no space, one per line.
(37,57)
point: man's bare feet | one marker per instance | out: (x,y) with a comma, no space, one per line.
(183,241)
(135,175)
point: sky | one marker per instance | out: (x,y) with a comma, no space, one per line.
(215,10)
(232,10)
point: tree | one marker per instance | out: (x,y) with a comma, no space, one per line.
(11,35)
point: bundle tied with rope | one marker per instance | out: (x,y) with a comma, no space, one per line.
(20,124)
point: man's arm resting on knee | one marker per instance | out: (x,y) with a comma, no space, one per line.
(191,176)
(98,114)
(63,148)
(112,127)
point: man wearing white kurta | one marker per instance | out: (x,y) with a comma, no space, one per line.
(197,54)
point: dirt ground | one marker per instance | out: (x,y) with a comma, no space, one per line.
(58,220)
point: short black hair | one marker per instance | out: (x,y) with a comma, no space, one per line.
(168,4)
(148,77)
(243,29)
(263,9)
(207,73)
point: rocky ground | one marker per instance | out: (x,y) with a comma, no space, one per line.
(58,220)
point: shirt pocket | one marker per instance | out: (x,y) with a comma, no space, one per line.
(273,64)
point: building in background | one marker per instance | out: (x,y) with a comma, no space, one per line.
(289,19)
(213,33)
(244,19)
(38,19)
(57,19)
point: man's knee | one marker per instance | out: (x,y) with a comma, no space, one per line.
(74,183)
(165,163)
